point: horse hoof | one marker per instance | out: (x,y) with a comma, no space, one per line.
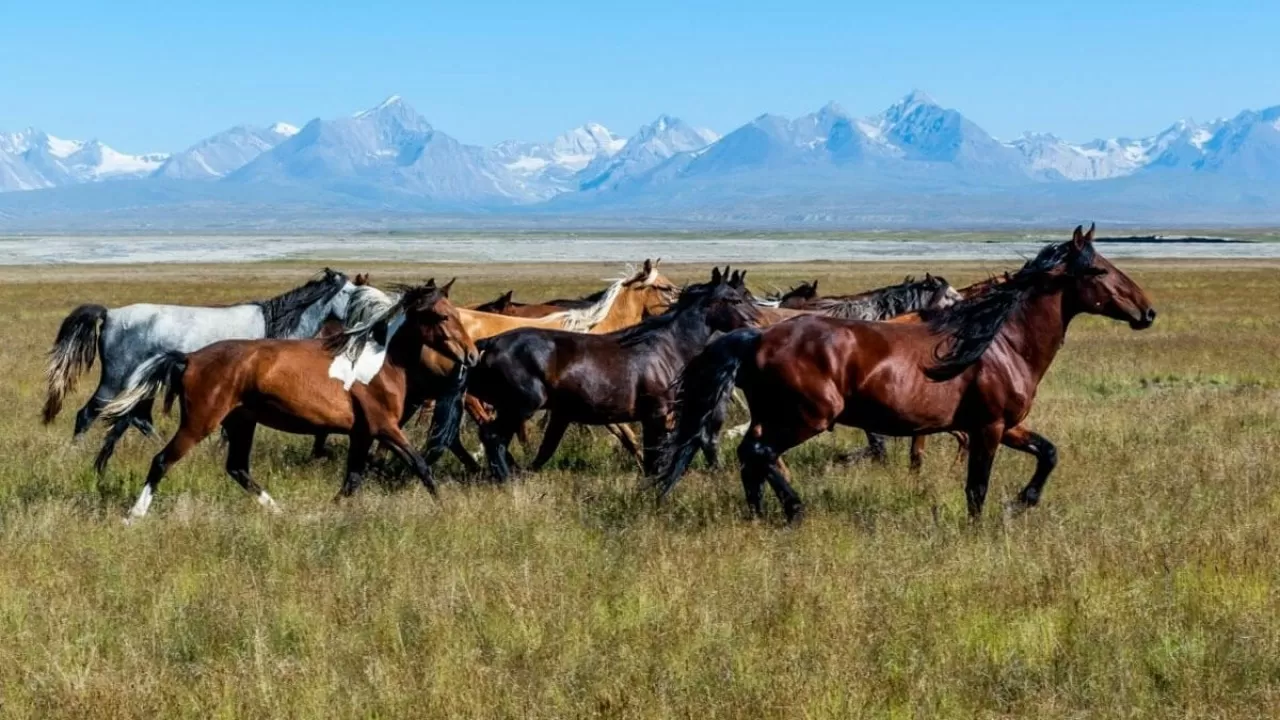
(795,517)
(1014,508)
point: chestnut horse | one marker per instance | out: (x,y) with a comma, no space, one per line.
(290,385)
(619,377)
(973,368)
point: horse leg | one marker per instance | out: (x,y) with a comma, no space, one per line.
(239,433)
(118,429)
(917,452)
(984,443)
(393,437)
(1024,440)
(551,437)
(358,447)
(318,449)
(655,431)
(86,416)
(627,437)
(711,450)
(141,416)
(761,460)
(874,451)
(180,445)
(496,436)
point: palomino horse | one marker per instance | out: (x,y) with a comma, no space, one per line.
(125,337)
(618,377)
(290,385)
(973,368)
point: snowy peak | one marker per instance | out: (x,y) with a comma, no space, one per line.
(31,159)
(652,145)
(226,152)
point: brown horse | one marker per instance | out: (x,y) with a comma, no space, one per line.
(973,368)
(645,294)
(619,377)
(290,385)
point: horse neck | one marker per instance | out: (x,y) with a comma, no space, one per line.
(686,334)
(310,321)
(626,311)
(1037,330)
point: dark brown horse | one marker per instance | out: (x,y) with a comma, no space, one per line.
(618,377)
(291,385)
(973,368)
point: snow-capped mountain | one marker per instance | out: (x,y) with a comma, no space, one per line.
(648,148)
(31,159)
(1180,145)
(226,152)
(917,161)
(555,163)
(388,148)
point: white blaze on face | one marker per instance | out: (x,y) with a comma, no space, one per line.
(367,363)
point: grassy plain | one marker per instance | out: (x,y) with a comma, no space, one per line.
(1146,584)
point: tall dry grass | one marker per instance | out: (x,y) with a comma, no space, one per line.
(1146,584)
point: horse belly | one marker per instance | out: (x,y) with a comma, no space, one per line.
(900,402)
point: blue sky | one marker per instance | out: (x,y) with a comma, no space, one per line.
(159,76)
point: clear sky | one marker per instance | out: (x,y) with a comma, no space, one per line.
(161,75)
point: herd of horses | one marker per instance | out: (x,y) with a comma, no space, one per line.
(338,355)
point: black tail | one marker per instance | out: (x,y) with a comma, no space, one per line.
(702,392)
(72,354)
(159,371)
(446,419)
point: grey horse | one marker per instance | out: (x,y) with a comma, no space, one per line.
(125,337)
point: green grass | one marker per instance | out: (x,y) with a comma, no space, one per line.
(1146,584)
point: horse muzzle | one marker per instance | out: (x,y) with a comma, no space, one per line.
(1145,319)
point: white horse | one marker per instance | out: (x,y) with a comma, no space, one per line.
(126,337)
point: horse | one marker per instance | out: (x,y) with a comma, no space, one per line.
(125,337)
(297,386)
(974,368)
(880,304)
(645,293)
(613,378)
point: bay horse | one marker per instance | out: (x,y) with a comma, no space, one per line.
(618,377)
(974,368)
(290,385)
(124,337)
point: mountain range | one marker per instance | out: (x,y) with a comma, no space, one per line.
(915,163)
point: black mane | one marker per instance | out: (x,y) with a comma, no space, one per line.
(882,303)
(972,324)
(282,313)
(691,297)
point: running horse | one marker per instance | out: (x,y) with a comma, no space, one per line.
(974,368)
(125,337)
(618,377)
(295,386)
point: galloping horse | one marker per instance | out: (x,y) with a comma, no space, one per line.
(618,377)
(125,337)
(974,367)
(290,385)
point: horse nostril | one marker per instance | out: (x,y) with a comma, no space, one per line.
(1151,314)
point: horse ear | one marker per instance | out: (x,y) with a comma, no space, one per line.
(431,282)
(657,262)
(507,298)
(1077,237)
(715,275)
(648,266)
(1088,237)
(928,277)
(444,290)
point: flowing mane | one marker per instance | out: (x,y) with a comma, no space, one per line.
(369,316)
(283,312)
(971,325)
(690,297)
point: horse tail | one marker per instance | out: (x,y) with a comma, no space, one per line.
(446,420)
(702,391)
(159,371)
(72,355)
